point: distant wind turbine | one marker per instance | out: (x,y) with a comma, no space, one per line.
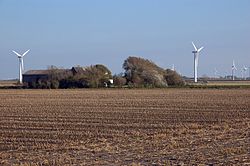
(215,73)
(244,72)
(173,68)
(196,57)
(180,72)
(233,70)
(21,66)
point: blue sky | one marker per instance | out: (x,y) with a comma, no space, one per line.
(67,33)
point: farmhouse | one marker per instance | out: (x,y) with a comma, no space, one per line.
(36,75)
(93,76)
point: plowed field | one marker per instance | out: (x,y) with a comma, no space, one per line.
(125,127)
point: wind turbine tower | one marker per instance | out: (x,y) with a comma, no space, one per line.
(233,70)
(173,68)
(196,57)
(21,66)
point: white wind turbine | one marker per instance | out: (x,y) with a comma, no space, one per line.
(196,57)
(21,66)
(233,70)
(244,72)
(173,68)
(215,73)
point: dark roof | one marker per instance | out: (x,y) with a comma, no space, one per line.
(43,72)
(37,72)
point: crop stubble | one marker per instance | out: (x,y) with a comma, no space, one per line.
(124,127)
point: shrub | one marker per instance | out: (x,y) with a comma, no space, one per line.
(119,81)
(96,76)
(90,77)
(54,84)
(142,72)
(173,78)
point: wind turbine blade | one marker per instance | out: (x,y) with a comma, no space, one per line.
(200,49)
(16,53)
(194,46)
(25,53)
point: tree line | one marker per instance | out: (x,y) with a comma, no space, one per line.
(138,72)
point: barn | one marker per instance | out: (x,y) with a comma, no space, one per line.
(32,76)
(35,75)
(46,78)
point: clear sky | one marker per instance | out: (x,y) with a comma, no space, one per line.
(67,33)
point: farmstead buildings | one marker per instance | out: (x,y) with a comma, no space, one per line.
(32,75)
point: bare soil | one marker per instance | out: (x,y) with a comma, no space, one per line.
(125,127)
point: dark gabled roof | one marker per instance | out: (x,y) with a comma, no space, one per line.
(43,72)
(37,72)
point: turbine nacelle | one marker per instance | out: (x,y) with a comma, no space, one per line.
(195,48)
(233,66)
(19,55)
